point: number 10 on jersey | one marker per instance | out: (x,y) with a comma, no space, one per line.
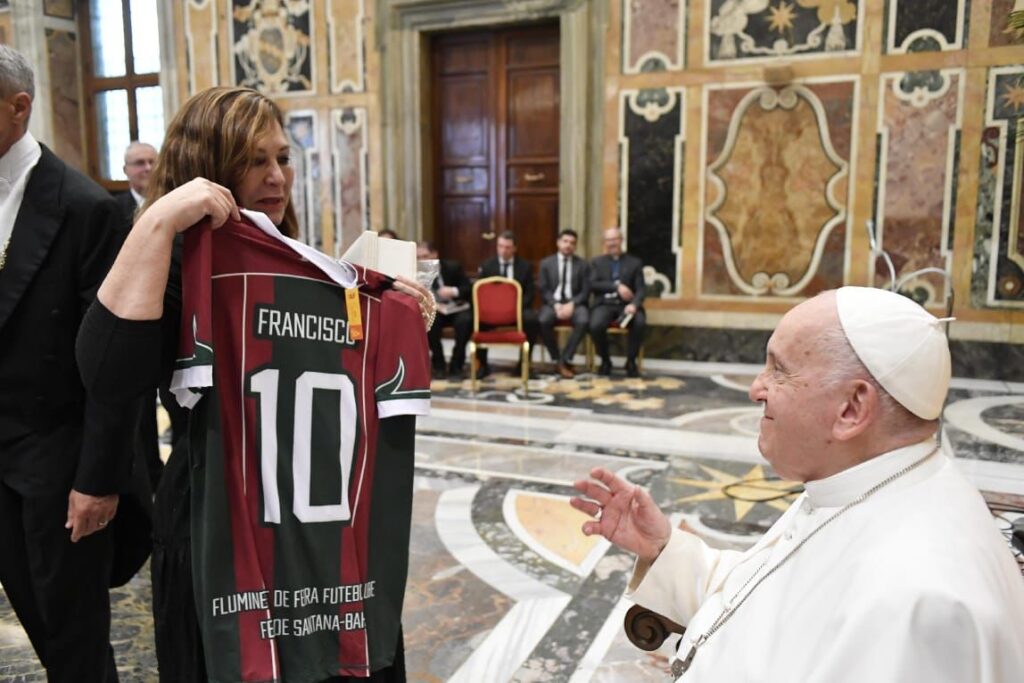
(265,383)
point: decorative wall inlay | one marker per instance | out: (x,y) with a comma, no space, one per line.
(919,121)
(651,157)
(1000,34)
(925,25)
(653,35)
(776,188)
(271,42)
(62,9)
(62,50)
(301,128)
(349,165)
(201,45)
(999,236)
(345,19)
(766,29)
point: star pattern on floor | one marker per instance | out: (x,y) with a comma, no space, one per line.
(745,490)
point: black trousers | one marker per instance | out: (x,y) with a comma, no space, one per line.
(58,589)
(547,320)
(602,316)
(462,323)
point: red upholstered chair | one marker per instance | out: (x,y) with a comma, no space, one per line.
(498,306)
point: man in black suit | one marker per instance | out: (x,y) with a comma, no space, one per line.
(506,264)
(64,457)
(139,159)
(453,290)
(617,282)
(564,289)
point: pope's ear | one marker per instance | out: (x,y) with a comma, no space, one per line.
(859,409)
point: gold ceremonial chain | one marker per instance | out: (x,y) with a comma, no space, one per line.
(680,666)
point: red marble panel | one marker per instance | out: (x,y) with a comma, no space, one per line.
(351,210)
(62,51)
(918,179)
(653,26)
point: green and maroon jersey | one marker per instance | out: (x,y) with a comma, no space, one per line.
(300,520)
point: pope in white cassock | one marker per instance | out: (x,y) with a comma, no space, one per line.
(887,568)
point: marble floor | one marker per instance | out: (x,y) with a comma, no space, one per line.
(504,587)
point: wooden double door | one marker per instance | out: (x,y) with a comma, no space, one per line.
(495,132)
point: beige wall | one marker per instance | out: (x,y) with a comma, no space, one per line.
(742,154)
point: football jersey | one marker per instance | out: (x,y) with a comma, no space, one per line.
(300,512)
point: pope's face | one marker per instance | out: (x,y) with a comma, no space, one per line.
(267,185)
(799,411)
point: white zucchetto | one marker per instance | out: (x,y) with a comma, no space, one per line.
(901,344)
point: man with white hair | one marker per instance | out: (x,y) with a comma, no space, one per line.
(65,458)
(139,159)
(887,568)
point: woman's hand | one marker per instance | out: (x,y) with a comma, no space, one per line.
(186,205)
(423,296)
(623,513)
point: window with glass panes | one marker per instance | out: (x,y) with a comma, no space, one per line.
(121,78)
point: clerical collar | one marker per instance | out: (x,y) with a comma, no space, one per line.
(841,488)
(20,158)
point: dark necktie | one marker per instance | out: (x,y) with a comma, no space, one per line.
(507,267)
(615,269)
(565,267)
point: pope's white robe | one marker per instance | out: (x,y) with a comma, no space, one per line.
(915,585)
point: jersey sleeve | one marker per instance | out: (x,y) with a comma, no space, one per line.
(193,365)
(402,371)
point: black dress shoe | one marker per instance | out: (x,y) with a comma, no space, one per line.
(631,369)
(456,372)
(482,371)
(606,368)
(439,372)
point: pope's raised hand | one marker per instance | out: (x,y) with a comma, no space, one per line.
(623,513)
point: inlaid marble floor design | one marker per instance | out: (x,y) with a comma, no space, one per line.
(504,587)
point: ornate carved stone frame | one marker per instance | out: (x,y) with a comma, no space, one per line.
(402,27)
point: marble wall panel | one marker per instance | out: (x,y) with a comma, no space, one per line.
(999,233)
(350,180)
(201,44)
(270,44)
(919,123)
(759,29)
(776,188)
(653,35)
(62,9)
(651,158)
(999,34)
(346,30)
(301,127)
(62,51)
(5,22)
(925,25)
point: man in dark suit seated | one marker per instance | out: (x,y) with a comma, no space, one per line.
(452,289)
(139,159)
(507,264)
(617,282)
(564,289)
